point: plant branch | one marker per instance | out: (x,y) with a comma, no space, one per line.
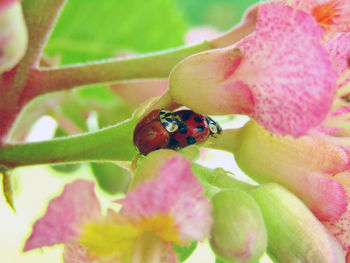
(114,143)
(153,65)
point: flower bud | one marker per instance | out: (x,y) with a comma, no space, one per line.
(13,37)
(294,233)
(238,233)
(149,167)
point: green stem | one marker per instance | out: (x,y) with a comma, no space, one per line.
(110,144)
(216,180)
(153,65)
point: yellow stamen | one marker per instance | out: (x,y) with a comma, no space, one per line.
(108,238)
(325,14)
(163,226)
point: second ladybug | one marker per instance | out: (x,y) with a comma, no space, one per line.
(192,128)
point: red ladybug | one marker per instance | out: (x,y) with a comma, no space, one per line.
(192,128)
(154,131)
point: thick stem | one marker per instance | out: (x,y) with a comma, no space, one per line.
(110,144)
(154,65)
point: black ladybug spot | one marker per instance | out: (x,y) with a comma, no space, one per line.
(197,119)
(173,142)
(186,115)
(167,114)
(200,128)
(183,128)
(190,140)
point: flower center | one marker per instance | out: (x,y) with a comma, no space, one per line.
(325,14)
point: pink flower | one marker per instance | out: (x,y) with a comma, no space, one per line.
(168,209)
(281,75)
(332,15)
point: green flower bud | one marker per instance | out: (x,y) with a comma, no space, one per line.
(238,233)
(295,235)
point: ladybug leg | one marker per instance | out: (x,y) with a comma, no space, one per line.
(134,163)
(219,171)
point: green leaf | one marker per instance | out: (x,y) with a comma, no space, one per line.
(90,29)
(184,252)
(221,14)
(7,190)
(219,260)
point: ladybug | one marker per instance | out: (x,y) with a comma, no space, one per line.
(153,131)
(192,128)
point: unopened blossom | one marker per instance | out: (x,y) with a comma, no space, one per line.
(13,34)
(281,74)
(294,234)
(238,233)
(310,167)
(168,209)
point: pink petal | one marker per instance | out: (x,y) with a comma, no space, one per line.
(341,227)
(65,215)
(280,75)
(74,253)
(325,197)
(176,192)
(339,50)
(288,71)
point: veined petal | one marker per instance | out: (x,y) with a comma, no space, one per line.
(303,165)
(284,78)
(288,71)
(173,205)
(74,253)
(339,51)
(65,216)
(341,227)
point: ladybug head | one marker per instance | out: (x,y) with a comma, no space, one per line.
(214,127)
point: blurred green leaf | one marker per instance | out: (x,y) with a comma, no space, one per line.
(111,177)
(221,14)
(91,29)
(184,252)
